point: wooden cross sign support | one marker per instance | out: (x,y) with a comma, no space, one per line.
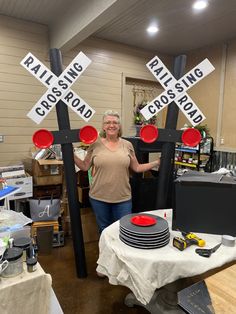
(175,87)
(176,90)
(58,94)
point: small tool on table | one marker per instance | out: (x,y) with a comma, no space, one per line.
(189,239)
(207,252)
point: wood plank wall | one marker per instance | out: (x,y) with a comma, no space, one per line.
(216,94)
(206,93)
(100,85)
(18,90)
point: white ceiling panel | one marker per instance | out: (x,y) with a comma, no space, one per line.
(39,11)
(181,29)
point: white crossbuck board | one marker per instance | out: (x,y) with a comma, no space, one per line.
(58,87)
(176,90)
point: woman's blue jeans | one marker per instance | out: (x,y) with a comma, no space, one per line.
(107,213)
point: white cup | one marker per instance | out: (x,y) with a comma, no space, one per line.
(3,266)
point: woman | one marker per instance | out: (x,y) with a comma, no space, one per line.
(111,158)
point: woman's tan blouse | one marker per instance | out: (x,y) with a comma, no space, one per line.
(110,181)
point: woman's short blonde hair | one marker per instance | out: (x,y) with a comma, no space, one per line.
(113,114)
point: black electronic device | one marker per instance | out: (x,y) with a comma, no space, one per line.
(205,203)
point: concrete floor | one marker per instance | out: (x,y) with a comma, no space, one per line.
(92,295)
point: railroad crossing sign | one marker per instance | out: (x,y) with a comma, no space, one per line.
(58,87)
(175,90)
(59,94)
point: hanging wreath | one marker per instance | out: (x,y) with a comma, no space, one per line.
(139,118)
(140,101)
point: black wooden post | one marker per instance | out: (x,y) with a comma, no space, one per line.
(168,148)
(70,176)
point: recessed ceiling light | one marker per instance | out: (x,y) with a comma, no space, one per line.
(152,29)
(200,4)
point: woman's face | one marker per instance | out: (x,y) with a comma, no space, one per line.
(111,125)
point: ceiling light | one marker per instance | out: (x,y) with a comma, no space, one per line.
(152,29)
(200,4)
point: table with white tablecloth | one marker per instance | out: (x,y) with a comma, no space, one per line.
(27,293)
(144,271)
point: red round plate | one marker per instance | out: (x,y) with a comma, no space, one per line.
(88,134)
(149,133)
(143,220)
(191,137)
(43,138)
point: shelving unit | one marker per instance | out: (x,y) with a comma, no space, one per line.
(197,158)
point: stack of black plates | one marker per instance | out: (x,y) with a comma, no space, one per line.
(144,231)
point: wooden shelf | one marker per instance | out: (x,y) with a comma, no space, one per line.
(185,164)
(186,150)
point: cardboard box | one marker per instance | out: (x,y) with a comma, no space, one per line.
(83,194)
(26,185)
(48,180)
(46,167)
(47,171)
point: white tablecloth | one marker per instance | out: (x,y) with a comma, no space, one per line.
(26,293)
(143,271)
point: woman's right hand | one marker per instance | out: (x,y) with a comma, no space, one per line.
(84,165)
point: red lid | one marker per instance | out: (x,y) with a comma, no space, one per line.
(88,134)
(43,138)
(143,220)
(149,133)
(191,137)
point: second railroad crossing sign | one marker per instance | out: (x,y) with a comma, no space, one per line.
(176,90)
(58,87)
